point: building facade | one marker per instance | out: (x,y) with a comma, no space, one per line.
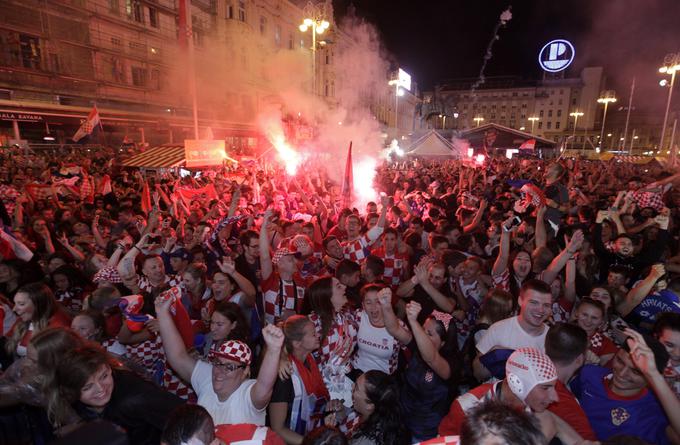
(58,58)
(513,102)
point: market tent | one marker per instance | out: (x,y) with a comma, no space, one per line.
(163,156)
(432,145)
(493,137)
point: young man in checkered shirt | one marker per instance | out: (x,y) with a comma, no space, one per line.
(356,248)
(396,262)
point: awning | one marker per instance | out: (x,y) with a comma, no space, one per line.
(163,156)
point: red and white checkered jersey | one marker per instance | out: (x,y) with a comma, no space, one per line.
(358,249)
(396,265)
(145,285)
(344,328)
(279,303)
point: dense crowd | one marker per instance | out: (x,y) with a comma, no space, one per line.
(534,300)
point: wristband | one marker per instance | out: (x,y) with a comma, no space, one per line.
(135,247)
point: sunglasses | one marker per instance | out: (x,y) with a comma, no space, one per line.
(226,368)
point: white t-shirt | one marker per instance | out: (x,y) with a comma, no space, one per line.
(238,408)
(508,334)
(375,347)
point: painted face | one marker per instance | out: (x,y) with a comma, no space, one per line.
(84,326)
(671,341)
(535,307)
(372,308)
(338,297)
(96,392)
(360,400)
(522,264)
(23,307)
(626,376)
(589,318)
(603,296)
(220,326)
(541,396)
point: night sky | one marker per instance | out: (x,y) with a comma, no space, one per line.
(439,39)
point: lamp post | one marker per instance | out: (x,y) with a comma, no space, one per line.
(575,114)
(398,91)
(443,117)
(315,19)
(478,119)
(533,120)
(606,97)
(671,64)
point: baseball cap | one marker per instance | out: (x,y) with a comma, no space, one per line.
(280,253)
(181,253)
(234,350)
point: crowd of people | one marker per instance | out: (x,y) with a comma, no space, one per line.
(531,300)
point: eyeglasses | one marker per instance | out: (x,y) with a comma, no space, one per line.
(226,368)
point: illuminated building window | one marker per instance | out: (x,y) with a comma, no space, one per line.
(242,10)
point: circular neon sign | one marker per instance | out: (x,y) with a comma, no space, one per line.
(556,55)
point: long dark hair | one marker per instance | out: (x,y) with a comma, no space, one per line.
(233,312)
(318,299)
(384,425)
(449,349)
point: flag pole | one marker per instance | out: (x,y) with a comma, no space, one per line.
(186,35)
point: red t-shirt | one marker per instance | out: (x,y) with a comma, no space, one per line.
(569,410)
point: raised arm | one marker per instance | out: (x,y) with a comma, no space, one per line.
(541,236)
(394,328)
(227,266)
(126,266)
(173,345)
(261,392)
(643,358)
(474,224)
(558,263)
(422,274)
(641,290)
(265,256)
(501,263)
(427,350)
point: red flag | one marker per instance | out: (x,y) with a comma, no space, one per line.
(204,194)
(91,123)
(146,198)
(105,187)
(348,181)
(529,144)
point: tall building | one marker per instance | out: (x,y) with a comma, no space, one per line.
(511,101)
(58,58)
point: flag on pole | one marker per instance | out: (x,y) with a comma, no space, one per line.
(88,127)
(146,198)
(529,144)
(348,181)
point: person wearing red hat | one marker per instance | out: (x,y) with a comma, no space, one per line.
(223,385)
